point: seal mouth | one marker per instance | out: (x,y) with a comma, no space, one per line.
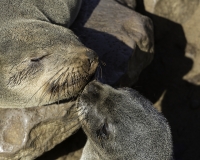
(60,90)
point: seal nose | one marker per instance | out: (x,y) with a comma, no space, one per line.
(92,56)
(90,87)
(94,87)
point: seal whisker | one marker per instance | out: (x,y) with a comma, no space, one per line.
(49,98)
(44,94)
(103,63)
(63,86)
(76,111)
(21,75)
(64,82)
(101,73)
(97,72)
(86,72)
(58,101)
(71,119)
(57,80)
(99,69)
(43,86)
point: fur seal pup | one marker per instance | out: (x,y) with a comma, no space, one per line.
(41,60)
(122,125)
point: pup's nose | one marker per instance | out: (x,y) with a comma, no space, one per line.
(94,87)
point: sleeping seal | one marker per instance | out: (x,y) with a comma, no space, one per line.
(122,125)
(41,60)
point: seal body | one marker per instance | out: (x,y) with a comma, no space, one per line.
(41,60)
(122,125)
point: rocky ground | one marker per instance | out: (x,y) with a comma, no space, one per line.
(171,81)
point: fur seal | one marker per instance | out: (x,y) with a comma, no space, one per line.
(41,60)
(122,125)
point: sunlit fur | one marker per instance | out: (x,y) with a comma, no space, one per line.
(41,60)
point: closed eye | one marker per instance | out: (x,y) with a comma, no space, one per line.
(37,59)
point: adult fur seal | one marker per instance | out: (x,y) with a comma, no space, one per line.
(122,125)
(41,60)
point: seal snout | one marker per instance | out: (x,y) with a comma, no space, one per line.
(92,56)
(92,91)
(93,87)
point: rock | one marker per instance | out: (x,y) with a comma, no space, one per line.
(121,37)
(172,81)
(186,13)
(176,10)
(29,132)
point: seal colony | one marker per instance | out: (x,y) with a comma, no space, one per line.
(41,60)
(121,124)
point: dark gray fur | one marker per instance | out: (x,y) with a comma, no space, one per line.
(122,125)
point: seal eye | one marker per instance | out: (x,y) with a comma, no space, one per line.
(37,59)
(102,133)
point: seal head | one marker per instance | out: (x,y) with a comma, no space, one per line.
(41,62)
(122,124)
